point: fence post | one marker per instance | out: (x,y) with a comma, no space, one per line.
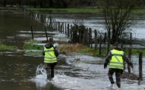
(108,40)
(90,37)
(32,33)
(46,34)
(140,66)
(62,28)
(105,37)
(68,30)
(100,47)
(130,51)
(84,39)
(58,26)
(71,32)
(87,37)
(95,39)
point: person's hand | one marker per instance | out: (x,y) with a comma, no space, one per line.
(105,65)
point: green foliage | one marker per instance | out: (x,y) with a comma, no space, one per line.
(32,48)
(135,51)
(138,11)
(7,47)
(32,45)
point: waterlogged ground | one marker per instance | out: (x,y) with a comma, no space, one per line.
(83,72)
(73,72)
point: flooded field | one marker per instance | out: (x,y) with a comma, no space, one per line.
(73,72)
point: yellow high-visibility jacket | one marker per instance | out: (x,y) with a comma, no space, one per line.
(49,55)
(116,61)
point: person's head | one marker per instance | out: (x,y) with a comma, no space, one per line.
(50,40)
(115,45)
(50,43)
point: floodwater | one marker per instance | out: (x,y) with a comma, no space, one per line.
(73,72)
(96,23)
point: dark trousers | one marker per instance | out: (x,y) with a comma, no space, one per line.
(118,73)
(51,66)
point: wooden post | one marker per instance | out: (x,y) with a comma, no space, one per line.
(32,33)
(105,37)
(100,48)
(130,51)
(71,32)
(140,66)
(56,26)
(79,35)
(46,34)
(95,39)
(87,37)
(62,28)
(90,37)
(108,40)
(68,31)
(129,55)
(59,27)
(84,37)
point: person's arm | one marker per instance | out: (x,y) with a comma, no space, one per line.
(56,51)
(107,60)
(43,52)
(127,60)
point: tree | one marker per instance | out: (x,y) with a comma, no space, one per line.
(4,3)
(118,16)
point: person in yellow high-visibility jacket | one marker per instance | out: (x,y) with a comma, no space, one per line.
(50,57)
(116,58)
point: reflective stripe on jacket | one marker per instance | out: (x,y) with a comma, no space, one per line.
(116,59)
(49,56)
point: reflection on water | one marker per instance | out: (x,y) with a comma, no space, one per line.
(19,73)
(16,72)
(42,83)
(12,22)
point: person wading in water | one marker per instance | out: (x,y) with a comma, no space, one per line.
(116,58)
(50,54)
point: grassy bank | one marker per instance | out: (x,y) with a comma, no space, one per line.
(7,47)
(68,10)
(77,10)
(77,48)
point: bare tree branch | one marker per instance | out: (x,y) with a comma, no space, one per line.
(118,16)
